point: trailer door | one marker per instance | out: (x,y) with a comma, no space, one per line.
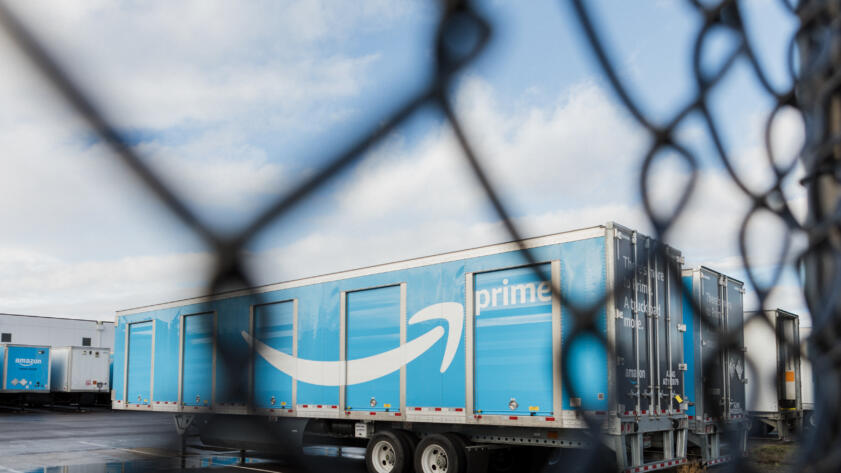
(735,317)
(139,366)
(197,374)
(710,325)
(513,341)
(788,357)
(27,368)
(88,369)
(273,325)
(373,327)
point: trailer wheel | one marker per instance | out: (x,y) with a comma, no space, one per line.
(410,440)
(387,452)
(440,453)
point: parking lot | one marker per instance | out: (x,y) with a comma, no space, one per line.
(100,440)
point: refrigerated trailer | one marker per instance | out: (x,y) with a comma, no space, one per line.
(80,374)
(25,369)
(462,348)
(715,375)
(774,400)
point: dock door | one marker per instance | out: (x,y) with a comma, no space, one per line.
(197,374)
(139,363)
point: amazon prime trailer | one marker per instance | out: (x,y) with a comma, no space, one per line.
(715,373)
(80,374)
(431,359)
(774,400)
(25,373)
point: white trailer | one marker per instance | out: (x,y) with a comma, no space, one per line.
(774,395)
(80,374)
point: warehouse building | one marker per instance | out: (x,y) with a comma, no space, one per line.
(55,331)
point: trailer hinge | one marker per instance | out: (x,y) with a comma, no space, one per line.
(681,367)
(633,237)
(619,314)
(680,259)
(681,327)
(742,290)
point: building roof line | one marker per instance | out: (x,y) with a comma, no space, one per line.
(55,317)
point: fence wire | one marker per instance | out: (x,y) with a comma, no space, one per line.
(813,55)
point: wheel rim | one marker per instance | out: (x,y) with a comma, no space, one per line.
(434,459)
(383,457)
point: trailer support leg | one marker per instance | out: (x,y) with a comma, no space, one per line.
(183,422)
(619,447)
(782,428)
(680,443)
(712,446)
(636,449)
(668,445)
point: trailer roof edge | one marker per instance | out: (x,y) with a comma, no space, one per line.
(551,239)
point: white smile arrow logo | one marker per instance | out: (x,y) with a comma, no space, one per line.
(337,373)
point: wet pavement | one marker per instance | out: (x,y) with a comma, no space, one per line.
(101,440)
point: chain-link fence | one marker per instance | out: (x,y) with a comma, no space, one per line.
(462,35)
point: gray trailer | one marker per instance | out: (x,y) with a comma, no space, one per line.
(715,376)
(774,400)
(80,374)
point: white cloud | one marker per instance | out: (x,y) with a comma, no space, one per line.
(163,63)
(217,169)
(571,162)
(219,70)
(40,283)
(556,156)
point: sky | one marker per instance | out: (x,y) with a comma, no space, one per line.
(232,103)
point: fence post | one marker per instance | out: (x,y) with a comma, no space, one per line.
(819,48)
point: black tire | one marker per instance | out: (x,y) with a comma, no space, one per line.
(411,442)
(387,448)
(447,448)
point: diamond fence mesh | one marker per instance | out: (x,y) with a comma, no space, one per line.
(814,56)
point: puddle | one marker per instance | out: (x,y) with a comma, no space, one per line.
(193,462)
(351,453)
(157,464)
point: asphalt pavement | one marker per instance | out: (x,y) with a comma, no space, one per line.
(101,440)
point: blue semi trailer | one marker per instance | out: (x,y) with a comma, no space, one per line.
(430,359)
(25,369)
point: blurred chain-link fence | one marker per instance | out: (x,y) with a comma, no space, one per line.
(813,58)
